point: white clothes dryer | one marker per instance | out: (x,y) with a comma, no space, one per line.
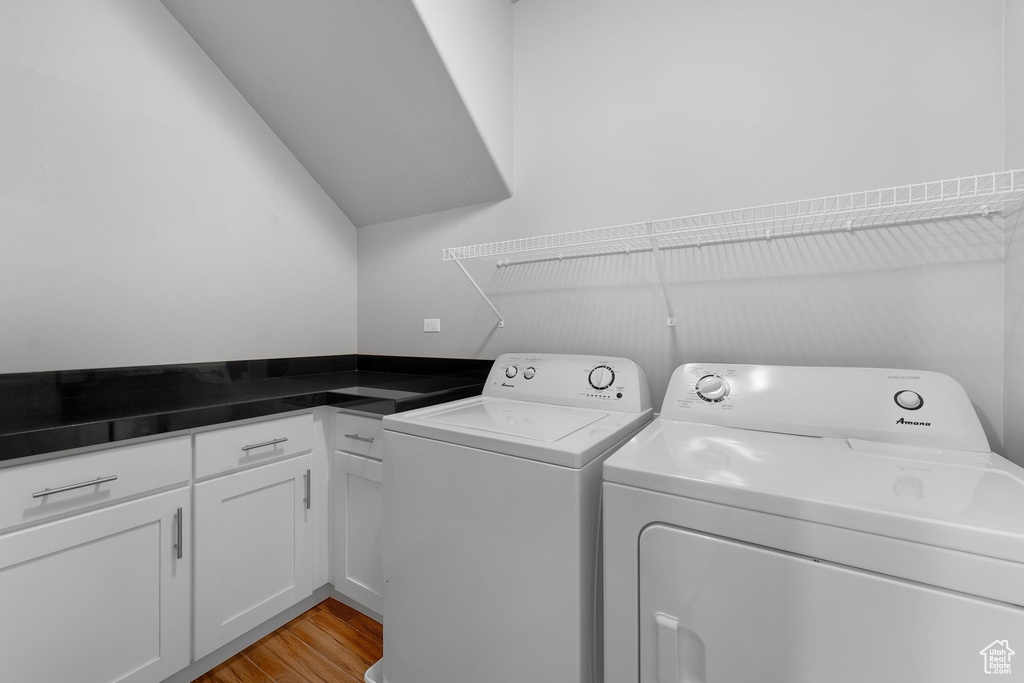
(491,522)
(811,525)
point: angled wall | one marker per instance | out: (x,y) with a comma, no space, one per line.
(359,93)
(474,38)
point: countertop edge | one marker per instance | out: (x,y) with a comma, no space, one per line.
(25,445)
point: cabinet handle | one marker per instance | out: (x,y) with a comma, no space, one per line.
(309,498)
(272,442)
(72,487)
(365,439)
(178,545)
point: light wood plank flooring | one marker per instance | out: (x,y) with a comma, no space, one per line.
(331,643)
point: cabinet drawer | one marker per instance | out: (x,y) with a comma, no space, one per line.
(359,435)
(90,479)
(232,448)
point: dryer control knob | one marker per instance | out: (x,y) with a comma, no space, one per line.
(511,371)
(602,377)
(909,400)
(712,388)
(528,373)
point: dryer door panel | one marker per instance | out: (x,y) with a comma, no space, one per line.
(720,611)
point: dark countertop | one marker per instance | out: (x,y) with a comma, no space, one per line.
(47,412)
(384,393)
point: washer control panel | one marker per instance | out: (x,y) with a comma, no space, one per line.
(908,407)
(585,381)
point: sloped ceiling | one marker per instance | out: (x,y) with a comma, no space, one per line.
(358,92)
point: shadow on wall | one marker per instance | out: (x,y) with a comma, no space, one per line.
(1013,341)
(923,296)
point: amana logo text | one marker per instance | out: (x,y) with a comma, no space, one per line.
(901,421)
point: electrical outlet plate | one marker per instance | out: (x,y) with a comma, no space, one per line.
(431,324)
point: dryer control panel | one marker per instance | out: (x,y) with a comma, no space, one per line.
(908,407)
(569,380)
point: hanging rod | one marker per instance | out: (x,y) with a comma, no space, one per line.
(957,198)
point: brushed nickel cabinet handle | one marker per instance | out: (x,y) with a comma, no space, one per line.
(308,500)
(272,442)
(178,545)
(365,439)
(72,487)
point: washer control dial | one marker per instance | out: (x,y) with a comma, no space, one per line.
(528,373)
(908,400)
(602,377)
(511,371)
(712,388)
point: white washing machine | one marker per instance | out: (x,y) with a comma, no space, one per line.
(491,522)
(810,525)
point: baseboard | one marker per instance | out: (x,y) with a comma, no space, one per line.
(356,605)
(220,655)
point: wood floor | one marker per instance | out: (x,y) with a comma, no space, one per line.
(331,643)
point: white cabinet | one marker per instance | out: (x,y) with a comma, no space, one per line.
(98,597)
(358,510)
(252,549)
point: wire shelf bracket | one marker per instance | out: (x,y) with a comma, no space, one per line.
(501,319)
(660,267)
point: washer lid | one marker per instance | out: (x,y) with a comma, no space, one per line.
(518,419)
(559,435)
(961,500)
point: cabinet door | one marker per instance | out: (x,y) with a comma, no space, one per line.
(98,597)
(358,540)
(252,545)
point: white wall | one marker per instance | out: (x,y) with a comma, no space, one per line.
(474,39)
(147,214)
(631,111)
(1013,404)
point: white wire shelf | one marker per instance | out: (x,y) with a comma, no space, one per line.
(966,197)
